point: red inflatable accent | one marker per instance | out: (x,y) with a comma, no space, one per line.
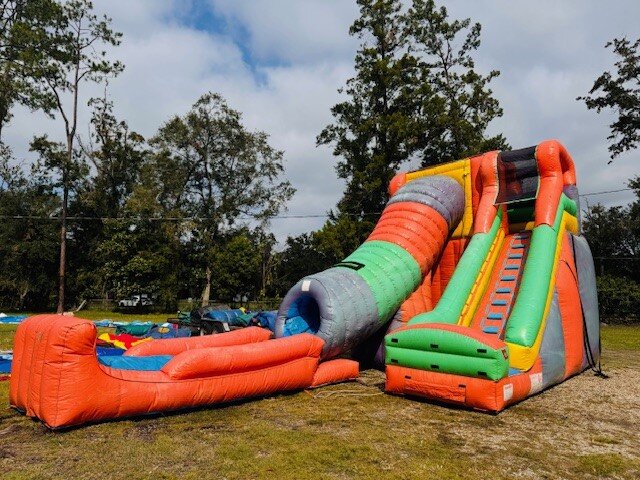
(470,392)
(396,182)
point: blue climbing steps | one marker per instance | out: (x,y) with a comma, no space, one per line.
(494,317)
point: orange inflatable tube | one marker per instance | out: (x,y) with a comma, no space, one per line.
(57,377)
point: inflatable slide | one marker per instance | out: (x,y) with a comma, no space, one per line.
(479,274)
(476,272)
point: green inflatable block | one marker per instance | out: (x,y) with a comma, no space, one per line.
(389,270)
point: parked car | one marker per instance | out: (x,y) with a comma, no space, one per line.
(136,301)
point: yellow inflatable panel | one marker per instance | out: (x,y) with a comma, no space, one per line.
(482,282)
(460,171)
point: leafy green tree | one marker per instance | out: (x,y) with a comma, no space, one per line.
(620,92)
(77,58)
(340,236)
(415,94)
(375,128)
(456,103)
(236,262)
(614,235)
(265,243)
(299,258)
(116,155)
(27,245)
(26,28)
(209,166)
(138,256)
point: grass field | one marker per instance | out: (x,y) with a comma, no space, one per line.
(586,427)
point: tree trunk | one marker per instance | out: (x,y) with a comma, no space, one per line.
(63,222)
(63,250)
(206,293)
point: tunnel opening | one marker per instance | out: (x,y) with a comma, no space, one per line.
(303,316)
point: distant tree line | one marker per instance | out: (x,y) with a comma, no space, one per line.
(185,213)
(614,232)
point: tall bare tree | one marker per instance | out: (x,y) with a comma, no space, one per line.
(78,55)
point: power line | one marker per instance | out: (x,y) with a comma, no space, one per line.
(605,192)
(172,219)
(241,217)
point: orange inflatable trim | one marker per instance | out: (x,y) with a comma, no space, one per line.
(476,393)
(57,377)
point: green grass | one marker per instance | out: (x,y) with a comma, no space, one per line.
(605,465)
(621,337)
(350,431)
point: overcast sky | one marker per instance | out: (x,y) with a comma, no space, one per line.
(281,62)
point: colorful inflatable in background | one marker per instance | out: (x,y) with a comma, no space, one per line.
(476,272)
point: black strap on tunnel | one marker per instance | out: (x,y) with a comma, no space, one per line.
(351,265)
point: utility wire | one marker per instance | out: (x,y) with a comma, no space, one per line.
(605,192)
(241,217)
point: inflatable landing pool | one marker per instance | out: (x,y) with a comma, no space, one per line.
(58,378)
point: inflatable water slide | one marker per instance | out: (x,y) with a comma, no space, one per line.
(479,274)
(476,272)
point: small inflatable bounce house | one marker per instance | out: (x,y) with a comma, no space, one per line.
(476,272)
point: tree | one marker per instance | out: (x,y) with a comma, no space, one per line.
(27,34)
(139,256)
(208,165)
(375,129)
(299,258)
(27,246)
(456,103)
(620,92)
(614,235)
(75,59)
(116,155)
(414,94)
(236,262)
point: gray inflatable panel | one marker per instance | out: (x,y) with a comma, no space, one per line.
(441,193)
(337,305)
(552,351)
(588,294)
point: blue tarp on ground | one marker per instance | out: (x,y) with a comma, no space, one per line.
(107,323)
(12,319)
(139,329)
(5,363)
(267,319)
(224,315)
(168,331)
(108,351)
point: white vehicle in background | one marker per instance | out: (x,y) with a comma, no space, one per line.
(136,301)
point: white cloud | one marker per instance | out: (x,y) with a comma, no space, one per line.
(300,53)
(292,31)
